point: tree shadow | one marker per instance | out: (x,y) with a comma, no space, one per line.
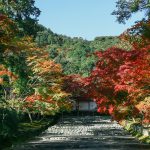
(104,138)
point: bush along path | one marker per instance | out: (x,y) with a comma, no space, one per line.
(141,132)
(27,130)
(86,132)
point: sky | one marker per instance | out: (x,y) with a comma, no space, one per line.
(82,18)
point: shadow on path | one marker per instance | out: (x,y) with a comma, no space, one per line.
(86,132)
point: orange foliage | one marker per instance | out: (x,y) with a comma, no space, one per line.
(46,78)
(5,72)
(144,108)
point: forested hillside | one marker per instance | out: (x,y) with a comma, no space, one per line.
(76,55)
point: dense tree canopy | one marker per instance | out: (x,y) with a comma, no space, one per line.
(24,12)
(29,81)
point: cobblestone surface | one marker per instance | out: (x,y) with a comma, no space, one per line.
(86,132)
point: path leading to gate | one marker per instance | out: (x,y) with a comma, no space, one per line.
(86,132)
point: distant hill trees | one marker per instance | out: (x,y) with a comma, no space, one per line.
(74,54)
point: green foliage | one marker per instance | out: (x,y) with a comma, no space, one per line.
(104,42)
(126,8)
(74,54)
(78,60)
(18,65)
(47,37)
(24,12)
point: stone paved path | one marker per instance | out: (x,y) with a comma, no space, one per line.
(84,133)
